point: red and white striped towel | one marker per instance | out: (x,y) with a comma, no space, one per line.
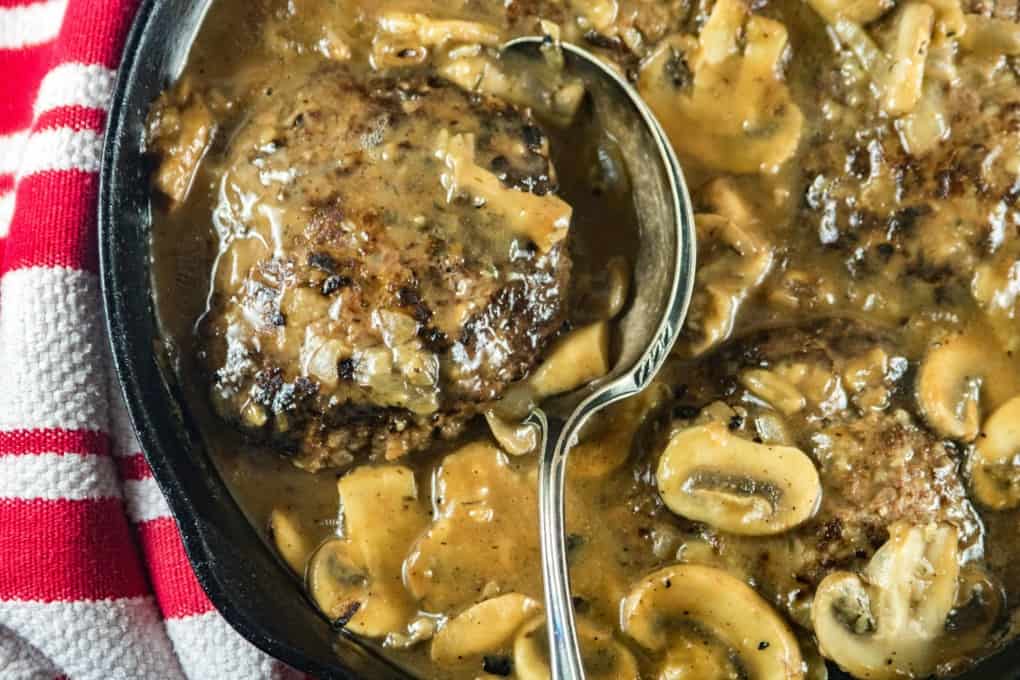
(94,582)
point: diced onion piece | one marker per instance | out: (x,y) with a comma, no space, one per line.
(913,36)
(542,219)
(577,359)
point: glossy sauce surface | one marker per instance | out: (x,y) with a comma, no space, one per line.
(847,376)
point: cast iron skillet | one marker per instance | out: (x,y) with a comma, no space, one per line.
(245,581)
(241,576)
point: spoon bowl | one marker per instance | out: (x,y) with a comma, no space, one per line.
(663,284)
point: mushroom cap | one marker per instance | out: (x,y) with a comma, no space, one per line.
(710,475)
(338,584)
(995,460)
(978,610)
(574,360)
(689,83)
(295,537)
(724,606)
(960,376)
(734,257)
(356,579)
(610,437)
(516,438)
(485,526)
(577,359)
(886,622)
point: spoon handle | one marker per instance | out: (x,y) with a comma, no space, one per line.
(564,651)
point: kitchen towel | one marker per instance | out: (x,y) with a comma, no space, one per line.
(94,583)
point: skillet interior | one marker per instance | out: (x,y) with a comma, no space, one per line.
(242,578)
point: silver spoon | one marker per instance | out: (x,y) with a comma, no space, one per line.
(664,279)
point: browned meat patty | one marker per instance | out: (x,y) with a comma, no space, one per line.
(393,258)
(842,388)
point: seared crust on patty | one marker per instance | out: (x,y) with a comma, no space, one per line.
(367,300)
(877,463)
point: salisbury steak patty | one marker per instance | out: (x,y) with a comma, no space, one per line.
(393,258)
(837,390)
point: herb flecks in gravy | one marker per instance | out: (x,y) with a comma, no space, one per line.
(848,373)
(377,281)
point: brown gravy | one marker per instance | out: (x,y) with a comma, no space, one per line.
(856,304)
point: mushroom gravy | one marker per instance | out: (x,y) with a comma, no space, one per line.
(826,468)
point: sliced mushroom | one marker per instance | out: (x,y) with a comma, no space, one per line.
(517,439)
(887,622)
(995,461)
(710,475)
(483,628)
(688,82)
(575,360)
(295,537)
(960,376)
(338,580)
(485,528)
(582,356)
(733,258)
(357,580)
(578,358)
(602,655)
(695,657)
(606,443)
(671,601)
